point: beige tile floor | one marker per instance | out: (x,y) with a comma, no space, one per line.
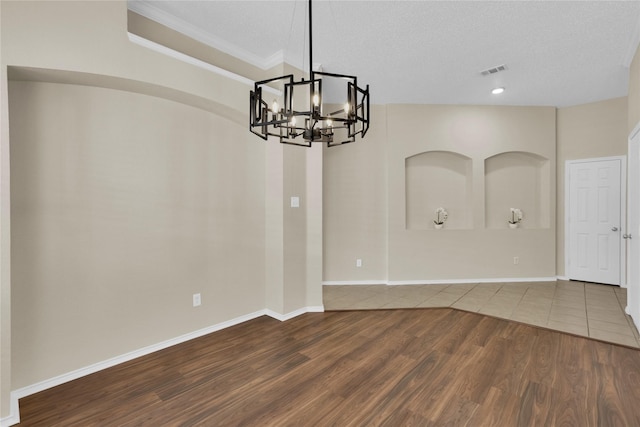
(586,309)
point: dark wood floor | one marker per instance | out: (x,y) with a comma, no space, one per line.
(423,367)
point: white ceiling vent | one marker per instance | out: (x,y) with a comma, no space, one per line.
(494,70)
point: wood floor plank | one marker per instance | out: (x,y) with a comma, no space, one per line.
(410,387)
(516,345)
(422,367)
(610,409)
(499,408)
(574,386)
(488,328)
(476,379)
(456,412)
(627,361)
(403,417)
(535,405)
(543,368)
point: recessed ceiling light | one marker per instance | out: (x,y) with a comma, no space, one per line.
(497,90)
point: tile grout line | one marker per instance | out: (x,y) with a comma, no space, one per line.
(485,303)
(552,300)
(514,302)
(494,294)
(628,318)
(461,296)
(518,303)
(621,310)
(555,289)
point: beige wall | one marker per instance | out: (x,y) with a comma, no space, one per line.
(314,236)
(367,191)
(356,178)
(158,33)
(355,206)
(91,37)
(294,234)
(586,131)
(295,240)
(123,206)
(484,250)
(5,243)
(633,100)
(137,185)
(293,252)
(130,241)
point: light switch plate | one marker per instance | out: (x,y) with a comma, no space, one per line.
(295,202)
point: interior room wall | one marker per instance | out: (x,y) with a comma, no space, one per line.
(165,36)
(586,131)
(355,206)
(633,105)
(80,53)
(294,234)
(633,98)
(428,156)
(295,238)
(487,249)
(5,244)
(314,203)
(363,185)
(123,207)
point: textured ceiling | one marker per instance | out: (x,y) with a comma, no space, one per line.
(558,53)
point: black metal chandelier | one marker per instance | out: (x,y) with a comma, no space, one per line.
(300,116)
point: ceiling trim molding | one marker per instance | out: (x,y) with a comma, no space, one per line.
(148,10)
(194,61)
(634,42)
(272,61)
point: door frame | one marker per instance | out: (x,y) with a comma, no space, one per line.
(623,212)
(633,308)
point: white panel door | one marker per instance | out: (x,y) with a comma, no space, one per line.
(633,230)
(595,221)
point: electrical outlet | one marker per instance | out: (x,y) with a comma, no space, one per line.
(516,260)
(197,300)
(358,262)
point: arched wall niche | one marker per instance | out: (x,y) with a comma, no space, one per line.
(517,179)
(436,179)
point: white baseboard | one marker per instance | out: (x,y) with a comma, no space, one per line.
(295,313)
(10,420)
(14,414)
(354,282)
(440,281)
(455,281)
(563,278)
